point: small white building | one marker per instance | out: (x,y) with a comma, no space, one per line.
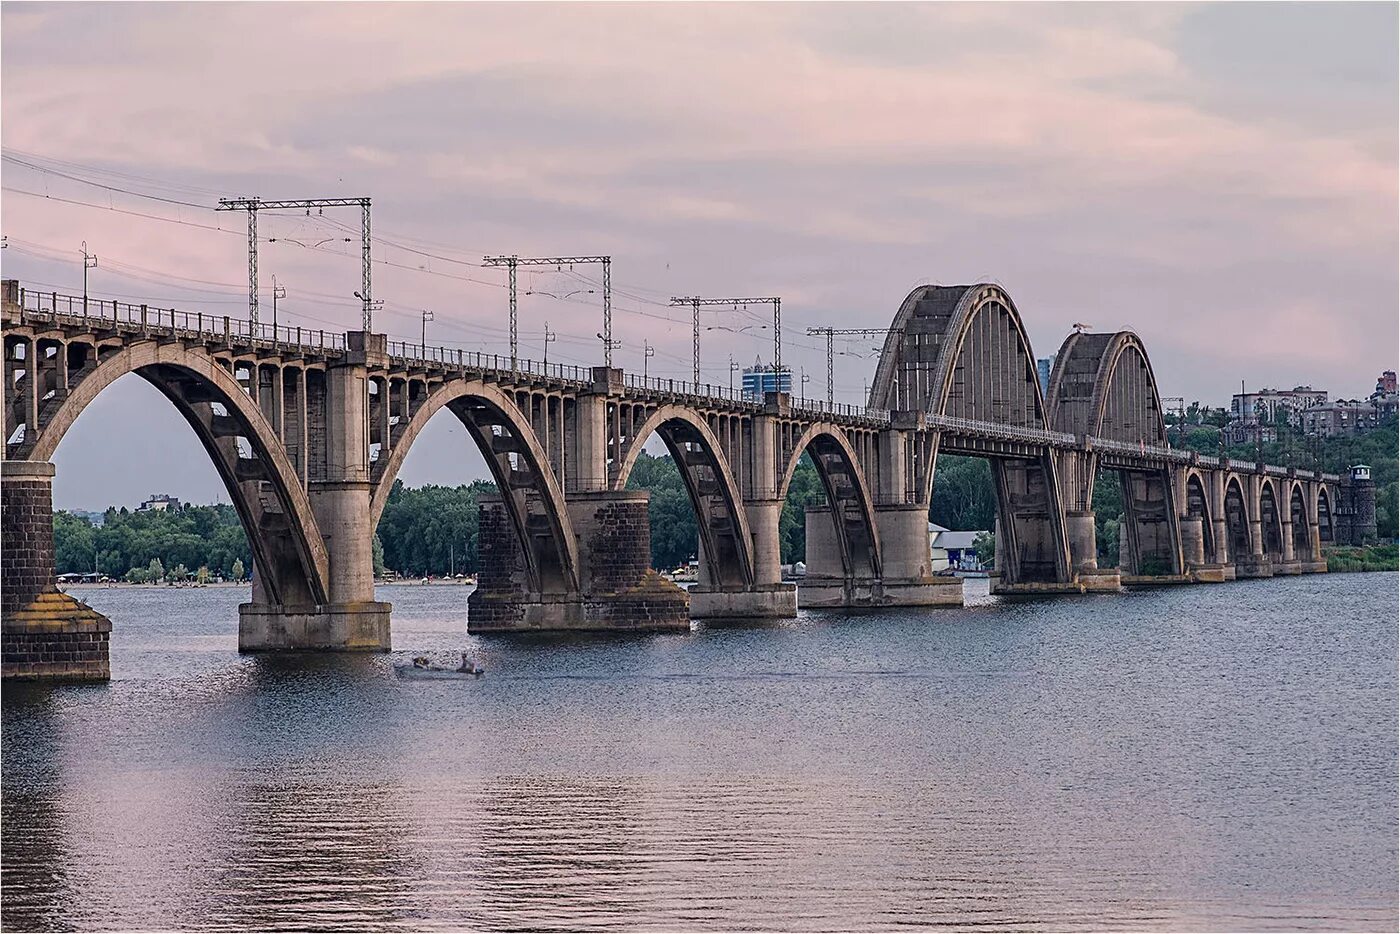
(950,549)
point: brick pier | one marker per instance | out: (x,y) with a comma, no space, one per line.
(44,635)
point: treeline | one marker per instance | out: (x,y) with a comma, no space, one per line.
(170,543)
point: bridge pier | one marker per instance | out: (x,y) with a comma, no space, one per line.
(767,597)
(618,590)
(350,620)
(45,635)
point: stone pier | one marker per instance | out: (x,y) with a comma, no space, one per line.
(618,590)
(46,635)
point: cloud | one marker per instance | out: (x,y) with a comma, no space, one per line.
(1189,170)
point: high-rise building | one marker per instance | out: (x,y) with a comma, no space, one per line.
(761,379)
(1043,368)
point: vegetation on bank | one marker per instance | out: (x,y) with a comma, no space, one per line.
(1343,558)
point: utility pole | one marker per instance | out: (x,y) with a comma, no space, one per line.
(694,301)
(831,332)
(89,262)
(1180,416)
(648,352)
(549,338)
(278,291)
(423,342)
(254,205)
(511,262)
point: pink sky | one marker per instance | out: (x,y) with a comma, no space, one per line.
(1220,178)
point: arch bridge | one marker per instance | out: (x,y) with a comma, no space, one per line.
(308,430)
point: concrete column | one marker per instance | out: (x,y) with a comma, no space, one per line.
(1219,524)
(45,635)
(763,517)
(765,458)
(1083,541)
(591,444)
(1193,540)
(893,476)
(278,409)
(32,365)
(907,560)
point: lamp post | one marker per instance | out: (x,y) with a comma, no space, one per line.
(549,338)
(648,352)
(427,316)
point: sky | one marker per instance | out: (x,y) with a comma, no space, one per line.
(1220,178)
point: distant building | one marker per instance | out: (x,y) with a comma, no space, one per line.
(951,549)
(1254,415)
(159,502)
(1043,368)
(1385,399)
(1341,419)
(761,379)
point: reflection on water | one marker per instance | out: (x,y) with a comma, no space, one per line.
(1199,758)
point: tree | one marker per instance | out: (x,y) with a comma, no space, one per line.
(964,494)
(157,569)
(202,575)
(178,574)
(237,571)
(377,555)
(985,544)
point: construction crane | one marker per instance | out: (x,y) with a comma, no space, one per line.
(844,332)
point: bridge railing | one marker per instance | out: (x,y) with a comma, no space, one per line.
(996,430)
(450,358)
(101,315)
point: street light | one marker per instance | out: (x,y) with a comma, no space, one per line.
(648,352)
(549,338)
(427,316)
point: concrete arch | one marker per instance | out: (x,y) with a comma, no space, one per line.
(168,367)
(920,367)
(1301,521)
(1237,518)
(496,407)
(1103,386)
(830,441)
(677,426)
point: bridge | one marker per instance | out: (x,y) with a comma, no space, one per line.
(308,430)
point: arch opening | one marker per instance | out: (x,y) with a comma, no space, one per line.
(725,545)
(1302,532)
(523,522)
(1325,532)
(1236,521)
(840,535)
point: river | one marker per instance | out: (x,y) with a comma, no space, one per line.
(1210,757)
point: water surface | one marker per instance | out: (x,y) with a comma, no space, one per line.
(1212,757)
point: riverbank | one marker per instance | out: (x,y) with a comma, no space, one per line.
(1345,559)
